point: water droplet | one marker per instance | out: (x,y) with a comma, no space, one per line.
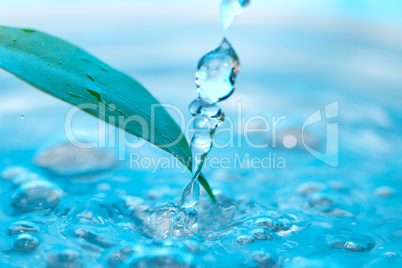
(195,107)
(26,242)
(22,227)
(22,116)
(217,73)
(36,195)
(230,9)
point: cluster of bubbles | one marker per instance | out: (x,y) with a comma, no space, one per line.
(215,81)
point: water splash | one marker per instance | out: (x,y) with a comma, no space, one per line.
(215,80)
(230,9)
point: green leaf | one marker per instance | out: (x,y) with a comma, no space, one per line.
(74,76)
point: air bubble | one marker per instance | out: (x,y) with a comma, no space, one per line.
(26,242)
(230,9)
(36,195)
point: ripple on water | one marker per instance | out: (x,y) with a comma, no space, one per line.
(22,227)
(36,195)
(355,246)
(350,242)
(13,171)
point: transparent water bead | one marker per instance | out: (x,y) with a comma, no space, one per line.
(213,113)
(230,9)
(22,227)
(36,195)
(216,74)
(26,242)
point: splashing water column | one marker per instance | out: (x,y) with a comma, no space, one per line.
(215,80)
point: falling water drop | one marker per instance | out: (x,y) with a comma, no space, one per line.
(215,80)
(230,9)
(216,75)
(22,116)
